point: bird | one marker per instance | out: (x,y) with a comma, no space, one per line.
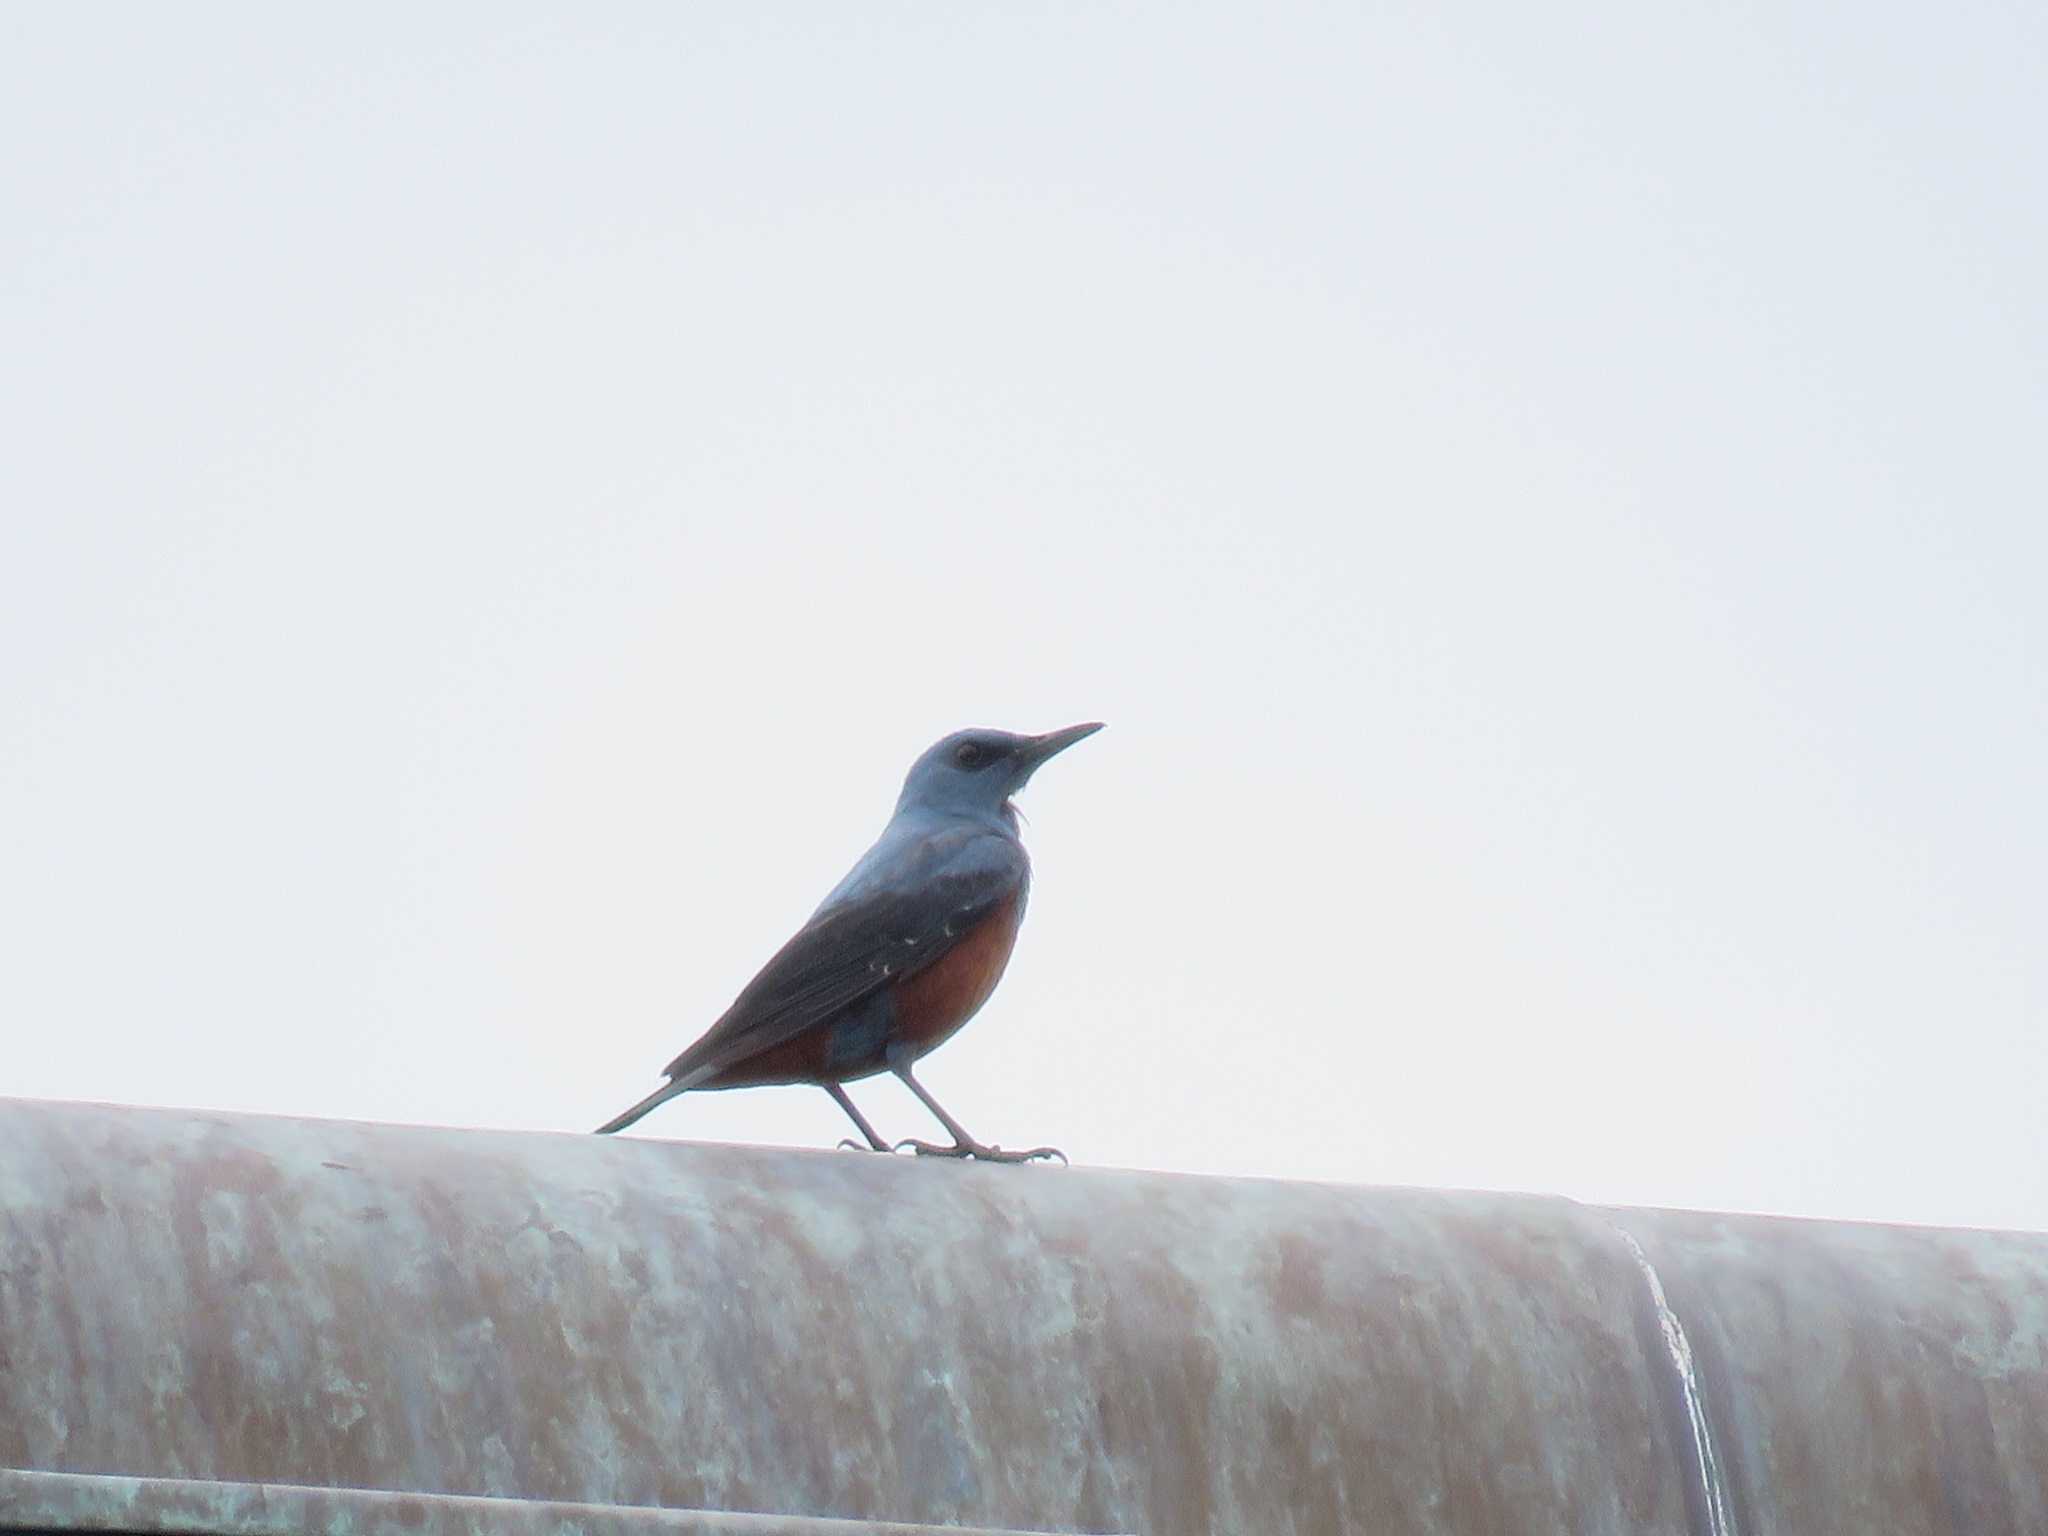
(899,955)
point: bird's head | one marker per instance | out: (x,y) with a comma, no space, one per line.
(974,772)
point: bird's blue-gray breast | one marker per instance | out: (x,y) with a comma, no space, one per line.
(920,849)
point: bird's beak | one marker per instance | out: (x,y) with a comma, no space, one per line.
(1052,743)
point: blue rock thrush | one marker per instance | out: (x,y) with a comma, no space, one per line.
(902,953)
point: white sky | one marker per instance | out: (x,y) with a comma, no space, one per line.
(1551,504)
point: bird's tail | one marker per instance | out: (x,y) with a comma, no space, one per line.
(654,1100)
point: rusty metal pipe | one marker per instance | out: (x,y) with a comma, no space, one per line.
(202,1299)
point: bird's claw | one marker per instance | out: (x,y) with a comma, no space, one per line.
(1047,1153)
(979,1152)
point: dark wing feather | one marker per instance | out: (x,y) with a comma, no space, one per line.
(844,954)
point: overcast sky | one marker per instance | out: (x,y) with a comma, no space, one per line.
(1551,504)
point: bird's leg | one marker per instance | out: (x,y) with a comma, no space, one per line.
(964,1145)
(874,1142)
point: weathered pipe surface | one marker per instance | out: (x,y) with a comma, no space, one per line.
(63,1501)
(589,1321)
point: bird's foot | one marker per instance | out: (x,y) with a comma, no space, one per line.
(979,1152)
(932,1148)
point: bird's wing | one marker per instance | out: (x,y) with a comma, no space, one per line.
(928,896)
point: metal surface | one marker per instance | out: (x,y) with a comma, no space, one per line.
(576,1320)
(1864,1378)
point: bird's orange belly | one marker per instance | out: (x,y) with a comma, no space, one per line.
(917,1015)
(935,1002)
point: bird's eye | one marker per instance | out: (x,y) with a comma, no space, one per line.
(968,754)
